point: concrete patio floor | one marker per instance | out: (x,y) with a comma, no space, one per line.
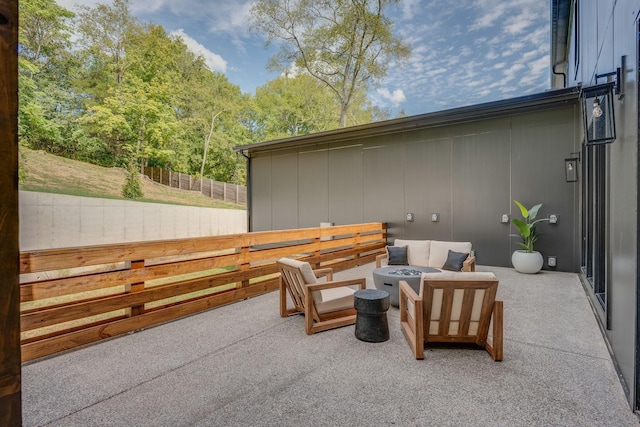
(244,365)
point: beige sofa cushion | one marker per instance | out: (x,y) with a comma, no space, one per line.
(335,299)
(417,251)
(459,276)
(440,250)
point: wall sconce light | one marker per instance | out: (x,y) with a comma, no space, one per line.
(571,167)
(598,114)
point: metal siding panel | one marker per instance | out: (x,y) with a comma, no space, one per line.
(384,186)
(284,191)
(481,193)
(538,154)
(428,189)
(623,201)
(313,192)
(261,197)
(345,186)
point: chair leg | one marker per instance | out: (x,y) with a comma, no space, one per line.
(308,312)
(284,311)
(496,347)
(413,329)
(283,299)
(419,324)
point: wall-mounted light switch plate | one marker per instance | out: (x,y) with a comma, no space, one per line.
(553,218)
(504,219)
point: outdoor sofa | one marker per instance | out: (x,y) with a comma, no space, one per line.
(454,256)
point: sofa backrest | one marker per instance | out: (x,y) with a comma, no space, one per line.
(439,251)
(431,253)
(417,251)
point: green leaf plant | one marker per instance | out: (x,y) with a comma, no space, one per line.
(527,225)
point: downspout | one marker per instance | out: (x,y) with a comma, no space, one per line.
(248,189)
(564,75)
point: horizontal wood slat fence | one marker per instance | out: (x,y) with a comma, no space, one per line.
(75,296)
(216,190)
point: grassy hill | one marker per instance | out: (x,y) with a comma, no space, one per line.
(52,174)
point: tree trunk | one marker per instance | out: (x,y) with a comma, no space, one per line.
(207,141)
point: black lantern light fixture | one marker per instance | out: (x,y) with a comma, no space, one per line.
(598,114)
(571,167)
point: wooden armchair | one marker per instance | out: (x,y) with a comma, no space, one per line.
(324,305)
(452,308)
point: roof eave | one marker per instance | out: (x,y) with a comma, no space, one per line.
(539,101)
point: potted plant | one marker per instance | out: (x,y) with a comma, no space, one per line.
(527,260)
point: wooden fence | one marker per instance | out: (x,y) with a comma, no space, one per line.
(75,296)
(216,190)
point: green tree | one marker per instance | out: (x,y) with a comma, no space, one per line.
(46,69)
(212,114)
(290,106)
(125,93)
(346,44)
(104,32)
(132,189)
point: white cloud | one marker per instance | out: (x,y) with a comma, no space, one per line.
(410,8)
(396,97)
(71,4)
(537,70)
(489,15)
(517,24)
(213,60)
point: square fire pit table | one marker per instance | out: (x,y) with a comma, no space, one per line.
(388,279)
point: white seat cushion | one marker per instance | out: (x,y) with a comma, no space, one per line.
(417,251)
(439,251)
(335,299)
(454,275)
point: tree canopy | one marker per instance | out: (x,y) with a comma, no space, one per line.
(346,44)
(101,86)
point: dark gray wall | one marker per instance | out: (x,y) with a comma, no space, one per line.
(608,30)
(468,173)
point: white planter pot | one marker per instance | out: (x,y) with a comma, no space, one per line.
(527,262)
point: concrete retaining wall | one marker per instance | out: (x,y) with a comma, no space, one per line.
(57,221)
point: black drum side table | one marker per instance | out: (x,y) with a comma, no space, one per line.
(371,320)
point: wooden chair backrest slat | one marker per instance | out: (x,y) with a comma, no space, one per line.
(294,283)
(458,310)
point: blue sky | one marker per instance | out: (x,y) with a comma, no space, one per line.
(464,52)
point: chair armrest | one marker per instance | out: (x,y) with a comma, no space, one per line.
(379,259)
(361,282)
(469,264)
(322,272)
(412,324)
(406,290)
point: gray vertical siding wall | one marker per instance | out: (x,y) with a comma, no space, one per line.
(468,173)
(608,30)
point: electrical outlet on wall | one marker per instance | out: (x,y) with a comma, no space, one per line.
(552,261)
(504,219)
(553,218)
